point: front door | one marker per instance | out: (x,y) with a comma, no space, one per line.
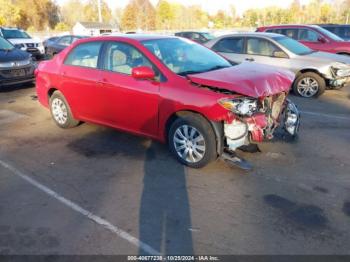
(131,104)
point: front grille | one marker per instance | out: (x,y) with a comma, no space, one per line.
(11,73)
(31,45)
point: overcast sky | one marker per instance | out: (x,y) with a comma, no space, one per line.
(213,5)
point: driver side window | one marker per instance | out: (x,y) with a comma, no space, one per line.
(122,58)
(258,46)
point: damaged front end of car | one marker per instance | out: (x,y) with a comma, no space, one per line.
(255,121)
(338,75)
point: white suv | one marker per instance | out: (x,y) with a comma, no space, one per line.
(21,40)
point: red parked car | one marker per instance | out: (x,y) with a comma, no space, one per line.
(169,89)
(313,36)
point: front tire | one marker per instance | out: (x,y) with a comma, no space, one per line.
(61,112)
(309,85)
(191,140)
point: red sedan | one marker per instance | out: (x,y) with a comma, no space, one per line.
(169,89)
(313,36)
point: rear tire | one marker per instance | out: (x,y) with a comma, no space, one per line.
(309,85)
(192,141)
(61,112)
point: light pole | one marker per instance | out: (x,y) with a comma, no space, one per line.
(99,11)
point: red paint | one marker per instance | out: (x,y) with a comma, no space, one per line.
(143,106)
(325,44)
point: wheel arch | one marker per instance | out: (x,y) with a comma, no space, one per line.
(343,53)
(306,70)
(217,126)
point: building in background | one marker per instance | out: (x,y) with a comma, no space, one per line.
(93,28)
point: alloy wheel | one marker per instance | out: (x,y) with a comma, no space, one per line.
(189,143)
(308,87)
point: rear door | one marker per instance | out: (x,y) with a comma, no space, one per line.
(80,85)
(232,48)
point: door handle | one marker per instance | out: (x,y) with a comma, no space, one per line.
(250,59)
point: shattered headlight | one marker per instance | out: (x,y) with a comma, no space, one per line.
(243,106)
(340,69)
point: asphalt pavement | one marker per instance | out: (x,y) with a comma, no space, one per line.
(94,190)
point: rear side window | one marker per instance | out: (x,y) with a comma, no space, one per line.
(290,32)
(229,45)
(258,46)
(85,55)
(66,41)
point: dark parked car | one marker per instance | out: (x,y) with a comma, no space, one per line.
(56,45)
(49,41)
(342,31)
(199,37)
(313,36)
(16,66)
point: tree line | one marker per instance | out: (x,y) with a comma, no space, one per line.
(43,15)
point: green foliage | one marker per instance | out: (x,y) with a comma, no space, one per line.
(166,15)
(9,13)
(139,14)
(62,27)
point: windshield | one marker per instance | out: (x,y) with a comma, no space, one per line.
(208,36)
(329,34)
(5,45)
(14,33)
(185,57)
(293,45)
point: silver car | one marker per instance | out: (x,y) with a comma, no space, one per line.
(315,71)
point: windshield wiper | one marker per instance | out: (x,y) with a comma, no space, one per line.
(216,68)
(190,72)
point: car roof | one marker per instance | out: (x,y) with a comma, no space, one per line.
(333,25)
(199,32)
(136,37)
(290,25)
(252,34)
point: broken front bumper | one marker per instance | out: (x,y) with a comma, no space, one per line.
(257,128)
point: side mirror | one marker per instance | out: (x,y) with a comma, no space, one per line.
(279,54)
(321,40)
(143,72)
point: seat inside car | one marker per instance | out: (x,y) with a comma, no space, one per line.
(86,59)
(259,47)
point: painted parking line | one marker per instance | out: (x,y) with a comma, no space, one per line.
(335,116)
(7,116)
(98,220)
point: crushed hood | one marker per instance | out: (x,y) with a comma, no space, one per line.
(254,80)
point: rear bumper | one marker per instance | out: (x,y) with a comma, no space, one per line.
(256,128)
